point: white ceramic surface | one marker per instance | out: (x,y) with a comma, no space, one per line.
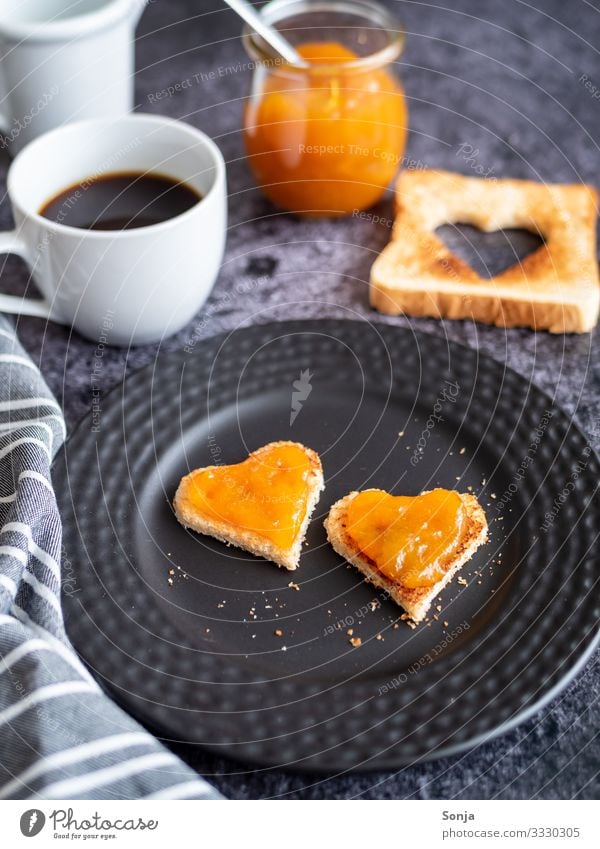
(62,61)
(127,286)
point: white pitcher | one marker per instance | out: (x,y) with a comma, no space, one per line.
(63,61)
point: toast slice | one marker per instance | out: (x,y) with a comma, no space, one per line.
(415,600)
(555,288)
(262,505)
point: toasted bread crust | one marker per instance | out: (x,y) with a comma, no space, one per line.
(288,558)
(555,288)
(415,601)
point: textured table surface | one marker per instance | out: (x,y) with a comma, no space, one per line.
(519,84)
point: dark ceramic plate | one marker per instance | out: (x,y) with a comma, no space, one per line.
(181,629)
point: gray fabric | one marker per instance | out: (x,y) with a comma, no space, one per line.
(60,736)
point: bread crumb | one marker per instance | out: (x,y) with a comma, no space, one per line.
(349,632)
(278,632)
(294,586)
(445,624)
(462,581)
(356,642)
(379,637)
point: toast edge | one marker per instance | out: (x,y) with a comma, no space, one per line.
(466,303)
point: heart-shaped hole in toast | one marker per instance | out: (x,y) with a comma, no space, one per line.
(489,254)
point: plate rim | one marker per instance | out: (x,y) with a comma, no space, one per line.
(306,325)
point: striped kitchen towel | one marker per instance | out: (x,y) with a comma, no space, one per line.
(60,736)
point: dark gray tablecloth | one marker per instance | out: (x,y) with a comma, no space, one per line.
(519,83)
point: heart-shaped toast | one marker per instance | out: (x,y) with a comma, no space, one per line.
(409,546)
(262,504)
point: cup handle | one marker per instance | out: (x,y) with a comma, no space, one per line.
(10,243)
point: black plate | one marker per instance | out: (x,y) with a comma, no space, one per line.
(199,660)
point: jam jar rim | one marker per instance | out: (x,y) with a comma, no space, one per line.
(278,11)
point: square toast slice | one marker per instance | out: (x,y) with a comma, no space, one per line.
(555,288)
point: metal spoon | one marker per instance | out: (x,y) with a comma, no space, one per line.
(274,38)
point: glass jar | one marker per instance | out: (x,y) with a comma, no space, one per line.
(326,138)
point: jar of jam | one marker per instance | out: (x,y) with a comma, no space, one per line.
(325,138)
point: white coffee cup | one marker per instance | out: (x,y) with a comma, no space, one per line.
(146,283)
(62,61)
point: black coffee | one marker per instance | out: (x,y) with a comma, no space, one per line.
(121,201)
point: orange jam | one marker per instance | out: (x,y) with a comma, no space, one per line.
(405,537)
(326,140)
(266,494)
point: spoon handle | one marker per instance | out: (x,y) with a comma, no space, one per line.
(267,32)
